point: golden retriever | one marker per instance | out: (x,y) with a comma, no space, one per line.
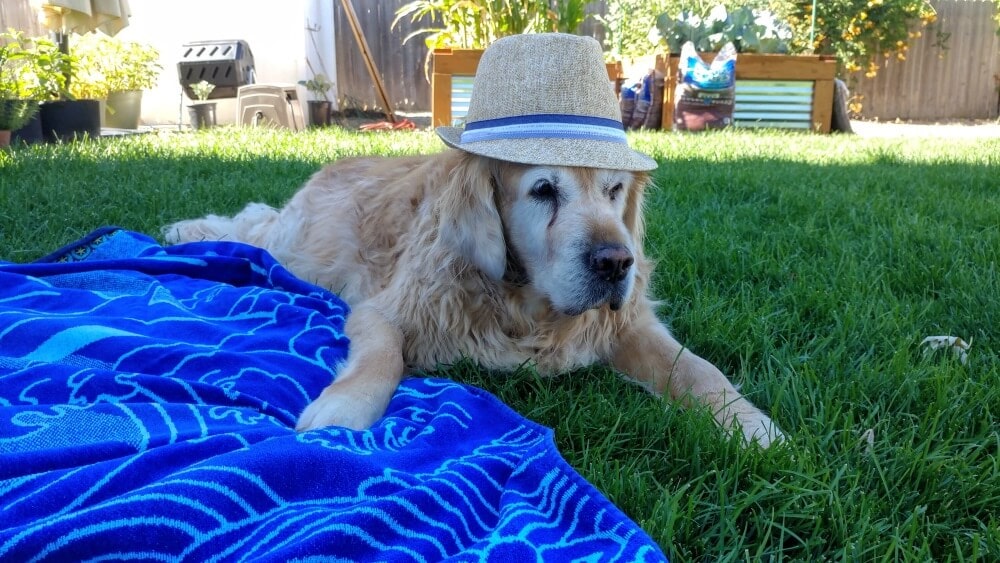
(455,255)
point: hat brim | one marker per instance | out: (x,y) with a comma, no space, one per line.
(553,151)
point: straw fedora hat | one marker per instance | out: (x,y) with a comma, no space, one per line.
(545,99)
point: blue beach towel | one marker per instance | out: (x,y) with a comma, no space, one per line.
(148,398)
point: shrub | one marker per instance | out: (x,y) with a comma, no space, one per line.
(474,24)
(31,68)
(859,31)
(108,64)
(749,30)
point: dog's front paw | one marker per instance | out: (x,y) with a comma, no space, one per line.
(341,405)
(760,429)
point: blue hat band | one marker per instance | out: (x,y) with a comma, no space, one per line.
(545,126)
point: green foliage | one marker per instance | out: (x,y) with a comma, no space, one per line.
(749,30)
(31,68)
(318,85)
(628,25)
(108,64)
(858,32)
(202,90)
(474,24)
(15,114)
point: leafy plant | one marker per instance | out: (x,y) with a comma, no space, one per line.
(318,85)
(31,68)
(108,64)
(859,32)
(627,25)
(202,90)
(749,30)
(130,65)
(474,24)
(567,16)
(15,114)
(13,58)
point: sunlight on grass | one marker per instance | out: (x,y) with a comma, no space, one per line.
(807,267)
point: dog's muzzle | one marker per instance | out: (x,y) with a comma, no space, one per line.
(609,265)
(610,262)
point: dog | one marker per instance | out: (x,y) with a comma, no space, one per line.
(501,249)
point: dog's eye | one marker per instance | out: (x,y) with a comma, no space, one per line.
(543,189)
(614,191)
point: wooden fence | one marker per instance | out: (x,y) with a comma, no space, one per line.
(17,14)
(401,66)
(958,79)
(956,82)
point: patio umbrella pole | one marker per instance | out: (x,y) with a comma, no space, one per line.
(61,39)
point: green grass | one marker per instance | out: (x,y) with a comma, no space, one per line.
(808,267)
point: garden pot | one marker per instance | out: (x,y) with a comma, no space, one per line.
(319,113)
(31,133)
(67,120)
(4,138)
(202,114)
(14,118)
(122,109)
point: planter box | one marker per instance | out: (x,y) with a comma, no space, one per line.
(781,91)
(451,83)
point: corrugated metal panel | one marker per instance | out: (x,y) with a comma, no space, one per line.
(785,104)
(461,93)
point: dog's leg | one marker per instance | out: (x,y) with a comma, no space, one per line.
(650,355)
(360,394)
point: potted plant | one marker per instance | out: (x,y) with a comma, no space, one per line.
(120,70)
(16,108)
(319,109)
(202,112)
(73,94)
(29,70)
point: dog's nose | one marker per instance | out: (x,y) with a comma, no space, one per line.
(611,262)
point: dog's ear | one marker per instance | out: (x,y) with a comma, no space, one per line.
(469,220)
(633,207)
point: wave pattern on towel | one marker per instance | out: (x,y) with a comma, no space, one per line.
(148,398)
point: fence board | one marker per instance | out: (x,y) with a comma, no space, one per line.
(961,81)
(18,14)
(401,66)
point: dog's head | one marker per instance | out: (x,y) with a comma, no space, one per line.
(572,234)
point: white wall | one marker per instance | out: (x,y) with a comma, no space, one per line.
(274,29)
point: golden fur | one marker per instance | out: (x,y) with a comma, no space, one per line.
(454,255)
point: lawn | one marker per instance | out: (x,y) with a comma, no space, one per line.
(807,267)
